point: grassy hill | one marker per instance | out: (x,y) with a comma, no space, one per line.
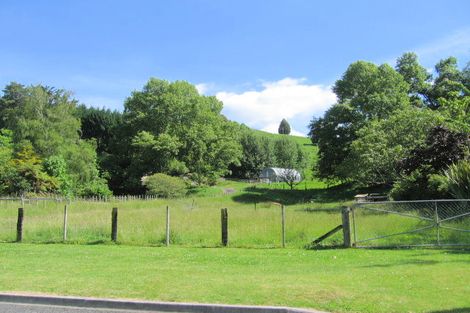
(309,149)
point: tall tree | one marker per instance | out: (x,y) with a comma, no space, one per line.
(45,118)
(172,129)
(417,78)
(449,83)
(284,127)
(365,92)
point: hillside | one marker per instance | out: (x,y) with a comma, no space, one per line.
(309,149)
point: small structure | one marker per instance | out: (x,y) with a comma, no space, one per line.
(277,174)
(370,197)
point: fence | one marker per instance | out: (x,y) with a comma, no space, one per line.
(188,221)
(411,223)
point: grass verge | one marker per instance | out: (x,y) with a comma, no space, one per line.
(362,281)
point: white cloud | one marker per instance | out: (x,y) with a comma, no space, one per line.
(202,88)
(455,44)
(288,98)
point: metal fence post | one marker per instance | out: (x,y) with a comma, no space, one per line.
(438,231)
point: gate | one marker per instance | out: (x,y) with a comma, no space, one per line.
(411,223)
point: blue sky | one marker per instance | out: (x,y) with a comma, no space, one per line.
(265,59)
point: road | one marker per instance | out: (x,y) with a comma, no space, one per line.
(34,308)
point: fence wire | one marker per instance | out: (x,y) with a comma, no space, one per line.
(411,223)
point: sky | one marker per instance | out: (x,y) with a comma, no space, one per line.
(266,60)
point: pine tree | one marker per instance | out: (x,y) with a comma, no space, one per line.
(284,127)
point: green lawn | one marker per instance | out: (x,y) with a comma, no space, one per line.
(332,280)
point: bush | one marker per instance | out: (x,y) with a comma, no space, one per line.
(458,179)
(418,186)
(164,186)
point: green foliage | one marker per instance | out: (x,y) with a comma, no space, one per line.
(376,154)
(416,76)
(333,134)
(56,166)
(45,118)
(449,84)
(458,179)
(170,124)
(284,127)
(374,91)
(164,186)
(26,173)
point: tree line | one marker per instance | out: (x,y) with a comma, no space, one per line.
(402,128)
(49,143)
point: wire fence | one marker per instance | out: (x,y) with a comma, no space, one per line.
(411,223)
(192,222)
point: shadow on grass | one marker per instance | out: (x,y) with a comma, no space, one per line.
(339,193)
(459,310)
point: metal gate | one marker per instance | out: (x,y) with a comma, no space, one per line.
(411,223)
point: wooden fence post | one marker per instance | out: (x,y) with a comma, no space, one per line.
(19,225)
(224,221)
(65,223)
(346,228)
(167,226)
(283,220)
(114,220)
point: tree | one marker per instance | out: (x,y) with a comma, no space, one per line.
(365,92)
(333,134)
(290,157)
(284,127)
(417,78)
(449,83)
(374,91)
(254,156)
(171,124)
(380,146)
(44,117)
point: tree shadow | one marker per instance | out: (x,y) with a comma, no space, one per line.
(338,193)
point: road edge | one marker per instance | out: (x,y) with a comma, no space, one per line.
(84,302)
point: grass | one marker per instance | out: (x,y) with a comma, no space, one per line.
(363,281)
(254,219)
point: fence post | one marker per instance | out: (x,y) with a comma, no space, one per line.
(65,223)
(114,217)
(167,226)
(19,225)
(346,228)
(224,221)
(283,219)
(438,226)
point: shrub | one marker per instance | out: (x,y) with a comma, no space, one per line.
(164,186)
(458,179)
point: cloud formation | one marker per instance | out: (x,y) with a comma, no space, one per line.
(289,98)
(456,44)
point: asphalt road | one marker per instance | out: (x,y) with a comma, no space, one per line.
(34,308)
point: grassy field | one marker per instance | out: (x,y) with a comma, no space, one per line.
(254,219)
(332,280)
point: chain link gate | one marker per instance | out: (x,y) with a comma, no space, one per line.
(411,223)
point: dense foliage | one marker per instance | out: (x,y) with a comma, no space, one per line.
(260,151)
(41,147)
(164,186)
(284,127)
(399,127)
